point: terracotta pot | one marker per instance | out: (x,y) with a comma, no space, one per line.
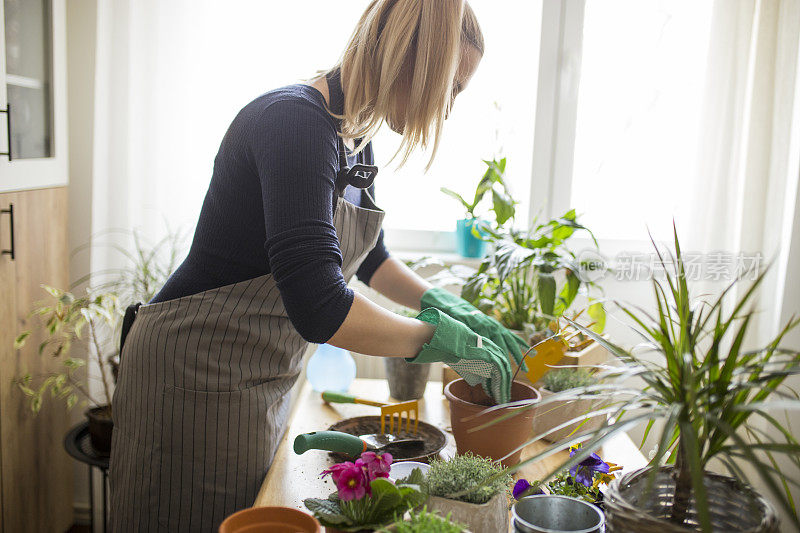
(100,428)
(495,441)
(406,380)
(270,520)
(489,517)
(556,413)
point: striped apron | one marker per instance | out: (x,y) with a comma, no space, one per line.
(203,395)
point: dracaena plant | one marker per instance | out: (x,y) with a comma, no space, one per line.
(711,394)
(493,181)
(532,277)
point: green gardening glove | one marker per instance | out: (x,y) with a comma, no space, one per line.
(478,322)
(475,358)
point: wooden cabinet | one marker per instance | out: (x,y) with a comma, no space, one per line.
(33,110)
(36,481)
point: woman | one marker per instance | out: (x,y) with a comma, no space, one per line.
(207,365)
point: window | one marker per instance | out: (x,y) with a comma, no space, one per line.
(639,108)
(492,117)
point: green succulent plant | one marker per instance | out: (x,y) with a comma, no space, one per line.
(466,475)
(562,379)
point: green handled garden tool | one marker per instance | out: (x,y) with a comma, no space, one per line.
(336,441)
(400,410)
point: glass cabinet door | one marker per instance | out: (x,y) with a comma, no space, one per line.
(28,49)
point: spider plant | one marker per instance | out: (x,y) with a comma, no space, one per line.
(710,393)
(532,277)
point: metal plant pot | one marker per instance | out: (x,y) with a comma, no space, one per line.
(547,513)
(733,506)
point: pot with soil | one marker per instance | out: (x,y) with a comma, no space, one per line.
(406,380)
(466,406)
(101,426)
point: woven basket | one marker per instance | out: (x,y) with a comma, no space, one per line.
(733,507)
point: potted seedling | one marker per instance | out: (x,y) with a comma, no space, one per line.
(470,489)
(553,419)
(67,319)
(365,500)
(470,231)
(407,381)
(712,397)
(583,481)
(90,319)
(532,279)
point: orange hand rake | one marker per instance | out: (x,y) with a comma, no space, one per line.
(402,410)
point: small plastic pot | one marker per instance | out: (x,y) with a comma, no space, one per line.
(270,520)
(498,440)
(469,245)
(406,380)
(101,426)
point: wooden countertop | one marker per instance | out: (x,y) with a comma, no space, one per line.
(294,477)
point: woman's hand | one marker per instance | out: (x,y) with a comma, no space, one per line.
(475,358)
(487,326)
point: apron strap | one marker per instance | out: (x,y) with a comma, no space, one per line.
(127,322)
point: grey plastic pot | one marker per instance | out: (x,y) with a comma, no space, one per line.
(406,380)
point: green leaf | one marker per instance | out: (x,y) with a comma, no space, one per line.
(458,197)
(386,498)
(568,292)
(327,510)
(55,293)
(503,206)
(19,342)
(597,312)
(546,288)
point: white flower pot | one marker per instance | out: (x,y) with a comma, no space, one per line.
(489,517)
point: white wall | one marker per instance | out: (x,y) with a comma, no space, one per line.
(81,41)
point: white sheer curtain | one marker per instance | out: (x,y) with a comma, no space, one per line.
(749,158)
(169,78)
(748,151)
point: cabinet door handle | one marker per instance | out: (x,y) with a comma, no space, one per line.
(7,111)
(10,212)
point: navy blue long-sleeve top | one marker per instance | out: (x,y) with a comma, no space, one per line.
(269,209)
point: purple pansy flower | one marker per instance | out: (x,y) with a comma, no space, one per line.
(584,471)
(520,487)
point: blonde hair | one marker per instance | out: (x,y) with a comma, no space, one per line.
(411,46)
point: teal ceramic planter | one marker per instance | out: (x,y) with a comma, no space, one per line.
(467,244)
